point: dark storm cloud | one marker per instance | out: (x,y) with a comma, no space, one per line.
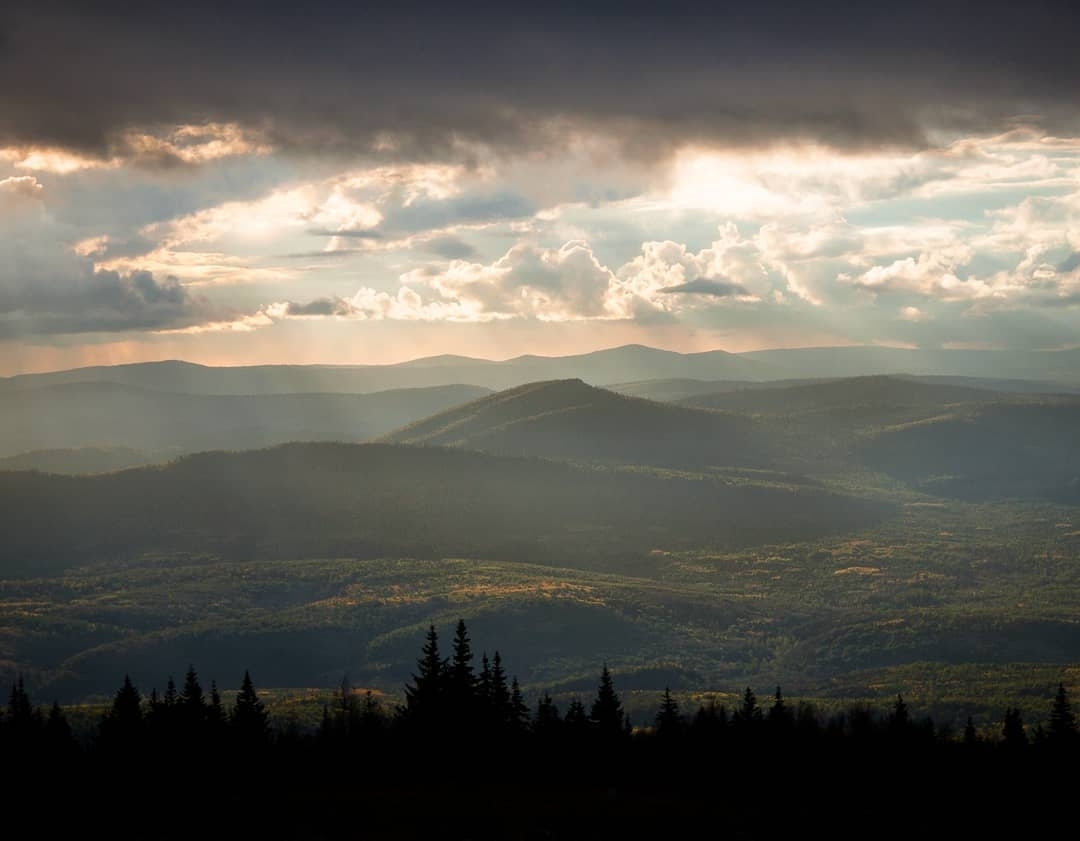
(320,306)
(713,288)
(98,301)
(343,76)
(450,248)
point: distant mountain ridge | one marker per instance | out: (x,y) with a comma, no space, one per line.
(163,424)
(626,364)
(570,419)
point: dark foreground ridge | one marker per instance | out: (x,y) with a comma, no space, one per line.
(463,757)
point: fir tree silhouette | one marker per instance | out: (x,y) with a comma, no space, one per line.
(1013,735)
(461,681)
(249,718)
(668,720)
(424,696)
(122,726)
(606,712)
(1061,728)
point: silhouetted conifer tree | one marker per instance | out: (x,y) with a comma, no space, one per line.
(483,684)
(899,718)
(460,676)
(606,712)
(165,715)
(346,712)
(748,715)
(576,716)
(498,694)
(1061,729)
(423,697)
(215,711)
(122,725)
(546,719)
(22,716)
(371,713)
(668,719)
(191,696)
(249,717)
(59,739)
(1012,730)
(519,710)
(780,716)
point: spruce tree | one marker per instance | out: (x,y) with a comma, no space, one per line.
(1061,729)
(122,725)
(23,724)
(346,711)
(249,717)
(519,710)
(22,715)
(748,715)
(58,733)
(1012,730)
(668,719)
(461,682)
(371,713)
(576,716)
(547,715)
(461,669)
(499,693)
(483,684)
(780,717)
(215,710)
(424,696)
(192,707)
(899,722)
(606,711)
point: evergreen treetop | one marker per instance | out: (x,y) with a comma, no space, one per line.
(606,711)
(1062,724)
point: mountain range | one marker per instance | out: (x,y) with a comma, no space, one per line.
(627,364)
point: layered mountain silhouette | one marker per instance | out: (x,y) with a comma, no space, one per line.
(627,364)
(572,420)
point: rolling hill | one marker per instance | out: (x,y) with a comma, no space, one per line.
(372,500)
(874,392)
(78,460)
(569,419)
(166,424)
(1022,450)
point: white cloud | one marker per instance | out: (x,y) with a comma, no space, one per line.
(915,314)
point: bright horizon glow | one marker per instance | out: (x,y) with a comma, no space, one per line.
(974,243)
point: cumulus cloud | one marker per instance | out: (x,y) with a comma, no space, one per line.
(46,287)
(317,307)
(712,288)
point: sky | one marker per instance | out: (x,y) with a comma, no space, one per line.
(352,183)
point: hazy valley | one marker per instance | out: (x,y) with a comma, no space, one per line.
(846,537)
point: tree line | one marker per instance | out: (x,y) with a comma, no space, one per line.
(453,701)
